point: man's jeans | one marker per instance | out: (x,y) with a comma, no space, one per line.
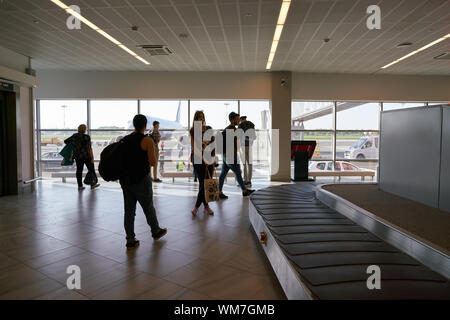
(143,193)
(236,168)
(248,166)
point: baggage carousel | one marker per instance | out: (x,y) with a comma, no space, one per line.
(319,253)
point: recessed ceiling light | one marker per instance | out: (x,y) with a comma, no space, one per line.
(249,14)
(183,35)
(278,30)
(404,44)
(94,27)
(417,51)
(326,40)
(36,21)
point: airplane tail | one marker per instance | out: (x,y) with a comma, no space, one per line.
(178,112)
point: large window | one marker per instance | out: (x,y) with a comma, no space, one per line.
(346,133)
(312,115)
(109,121)
(259,113)
(62,114)
(173,117)
(171,114)
(216,112)
(113,114)
(357,116)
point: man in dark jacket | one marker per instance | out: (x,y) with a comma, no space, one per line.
(82,153)
(232,164)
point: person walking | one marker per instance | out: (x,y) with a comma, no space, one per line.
(246,147)
(82,153)
(136,184)
(203,168)
(232,165)
(156,136)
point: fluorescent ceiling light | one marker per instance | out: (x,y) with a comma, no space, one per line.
(283,12)
(274,47)
(278,30)
(417,51)
(100,31)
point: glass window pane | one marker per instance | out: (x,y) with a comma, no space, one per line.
(113,114)
(51,144)
(358,116)
(324,142)
(100,139)
(216,112)
(63,114)
(171,114)
(438,103)
(357,145)
(257,112)
(174,151)
(312,115)
(401,105)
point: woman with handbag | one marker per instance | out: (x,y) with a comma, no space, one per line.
(82,153)
(203,168)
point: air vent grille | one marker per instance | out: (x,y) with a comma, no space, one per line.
(157,50)
(443,56)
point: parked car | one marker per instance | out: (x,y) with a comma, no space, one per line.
(51,156)
(365,148)
(329,166)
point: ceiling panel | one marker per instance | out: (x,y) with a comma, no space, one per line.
(230,35)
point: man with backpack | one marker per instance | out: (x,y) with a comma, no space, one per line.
(138,152)
(232,163)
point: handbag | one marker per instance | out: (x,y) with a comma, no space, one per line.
(90,179)
(211,186)
(67,154)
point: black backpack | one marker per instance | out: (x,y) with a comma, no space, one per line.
(111,161)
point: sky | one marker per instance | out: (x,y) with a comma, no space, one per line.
(59,114)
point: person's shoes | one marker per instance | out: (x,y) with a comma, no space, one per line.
(131,244)
(247,192)
(81,188)
(194,211)
(157,180)
(161,233)
(195,180)
(209,211)
(95,186)
(248,183)
(222,196)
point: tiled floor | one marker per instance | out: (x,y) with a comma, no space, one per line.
(206,257)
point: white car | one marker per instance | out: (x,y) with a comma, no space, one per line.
(365,148)
(328,166)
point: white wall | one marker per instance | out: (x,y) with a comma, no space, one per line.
(323,86)
(239,85)
(154,85)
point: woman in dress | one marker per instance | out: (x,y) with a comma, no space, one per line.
(201,168)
